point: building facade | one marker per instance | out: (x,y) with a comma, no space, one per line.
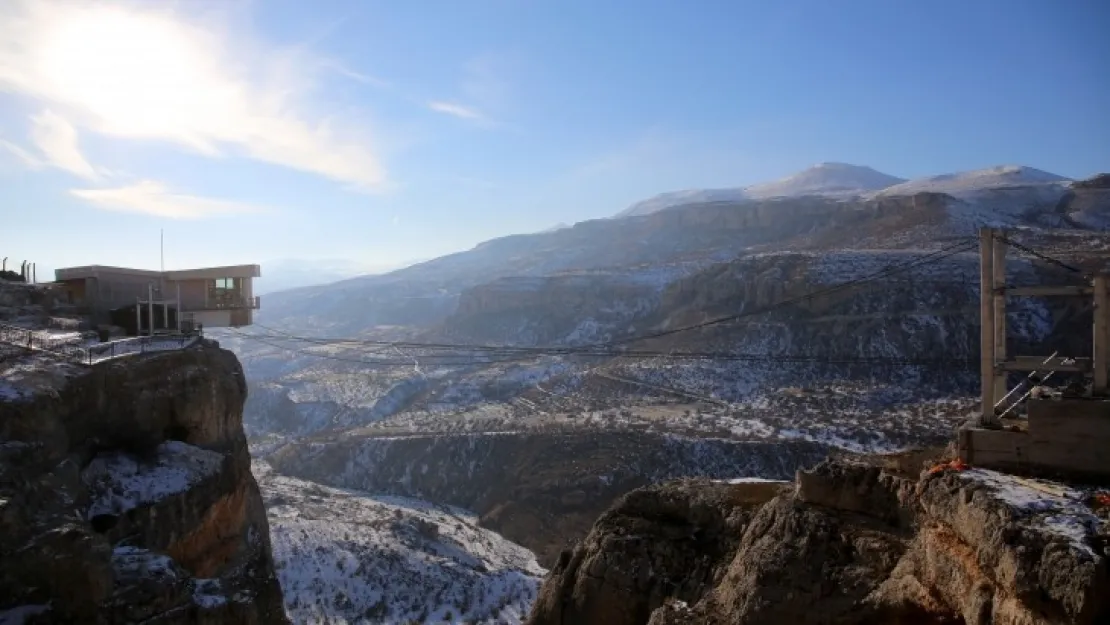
(215,297)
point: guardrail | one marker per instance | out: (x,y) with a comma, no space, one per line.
(70,348)
(232,303)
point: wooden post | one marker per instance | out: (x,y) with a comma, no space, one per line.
(999,313)
(1099,354)
(986,316)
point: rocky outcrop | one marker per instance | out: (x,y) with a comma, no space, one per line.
(850,544)
(538,489)
(126,496)
(670,541)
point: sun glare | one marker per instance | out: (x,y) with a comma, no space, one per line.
(139,74)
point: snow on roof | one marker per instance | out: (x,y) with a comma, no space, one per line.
(1065,516)
(119,482)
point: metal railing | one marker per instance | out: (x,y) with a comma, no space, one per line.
(72,350)
(233,303)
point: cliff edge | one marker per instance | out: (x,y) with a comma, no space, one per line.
(849,543)
(126,496)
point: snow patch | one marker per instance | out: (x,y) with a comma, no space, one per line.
(1064,516)
(119,482)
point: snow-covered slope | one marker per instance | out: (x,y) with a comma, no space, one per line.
(833,179)
(830,179)
(678,198)
(961,183)
(349,557)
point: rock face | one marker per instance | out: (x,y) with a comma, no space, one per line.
(126,496)
(849,544)
(670,541)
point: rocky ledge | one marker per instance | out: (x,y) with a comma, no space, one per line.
(849,542)
(126,496)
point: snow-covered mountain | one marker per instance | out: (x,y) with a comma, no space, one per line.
(348,557)
(1001,177)
(829,179)
(842,180)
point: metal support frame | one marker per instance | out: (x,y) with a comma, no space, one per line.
(995,363)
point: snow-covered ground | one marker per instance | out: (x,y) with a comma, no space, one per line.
(348,557)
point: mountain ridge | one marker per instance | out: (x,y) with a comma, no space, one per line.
(844,180)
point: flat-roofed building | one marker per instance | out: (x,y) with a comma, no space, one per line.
(215,297)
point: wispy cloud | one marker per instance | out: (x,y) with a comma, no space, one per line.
(153,198)
(138,71)
(481,91)
(29,160)
(456,110)
(56,139)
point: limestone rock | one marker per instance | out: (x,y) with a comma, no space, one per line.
(126,496)
(852,544)
(666,541)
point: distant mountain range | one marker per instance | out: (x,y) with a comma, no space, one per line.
(289,273)
(843,180)
(833,206)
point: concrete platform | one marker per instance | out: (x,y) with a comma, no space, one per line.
(1065,438)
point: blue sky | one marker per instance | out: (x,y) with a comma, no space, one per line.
(384,132)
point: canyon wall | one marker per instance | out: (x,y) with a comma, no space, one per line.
(538,489)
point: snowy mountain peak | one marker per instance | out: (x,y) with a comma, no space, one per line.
(977,180)
(829,178)
(843,180)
